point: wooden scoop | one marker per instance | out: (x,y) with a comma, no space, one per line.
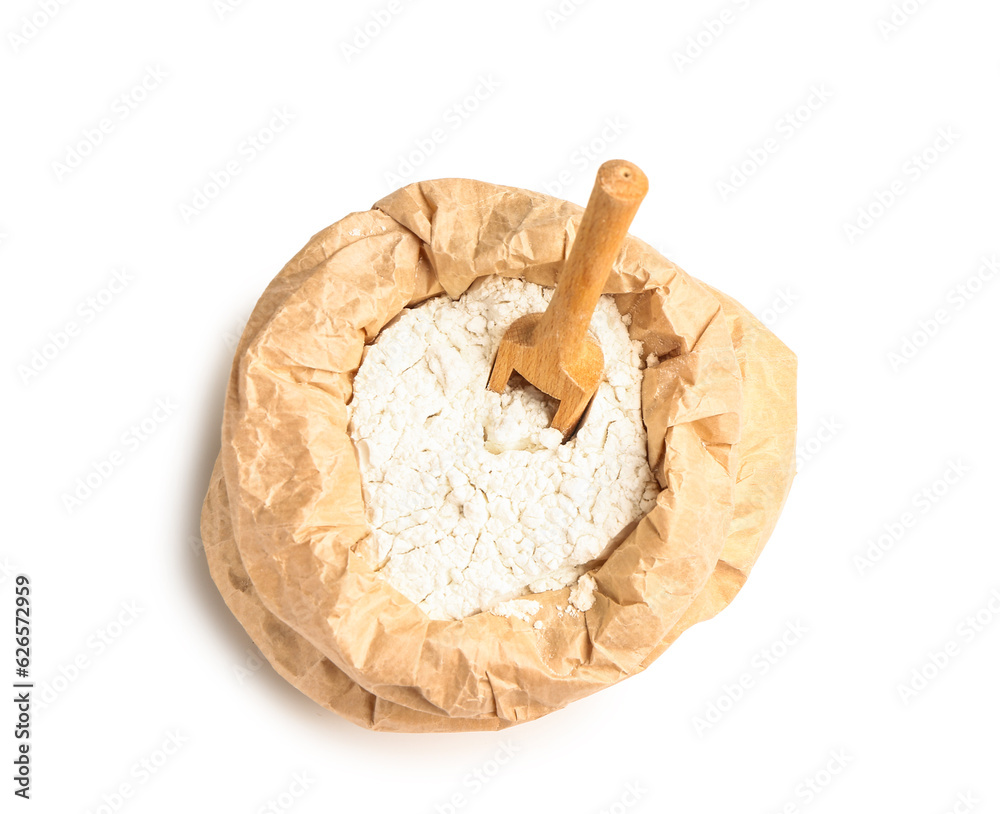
(554,350)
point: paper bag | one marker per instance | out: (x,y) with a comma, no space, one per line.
(284,515)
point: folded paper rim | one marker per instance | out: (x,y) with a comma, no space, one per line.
(291,473)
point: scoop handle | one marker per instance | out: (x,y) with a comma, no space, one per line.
(618,191)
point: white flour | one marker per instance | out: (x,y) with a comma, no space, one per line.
(582,595)
(523,609)
(472,499)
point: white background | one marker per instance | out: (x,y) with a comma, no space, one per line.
(875,431)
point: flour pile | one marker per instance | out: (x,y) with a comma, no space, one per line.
(472,499)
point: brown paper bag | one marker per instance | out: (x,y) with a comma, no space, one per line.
(285,514)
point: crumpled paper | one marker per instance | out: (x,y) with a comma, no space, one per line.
(284,515)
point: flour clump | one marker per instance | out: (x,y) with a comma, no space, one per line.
(472,498)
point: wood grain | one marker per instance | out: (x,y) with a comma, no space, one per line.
(554,351)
